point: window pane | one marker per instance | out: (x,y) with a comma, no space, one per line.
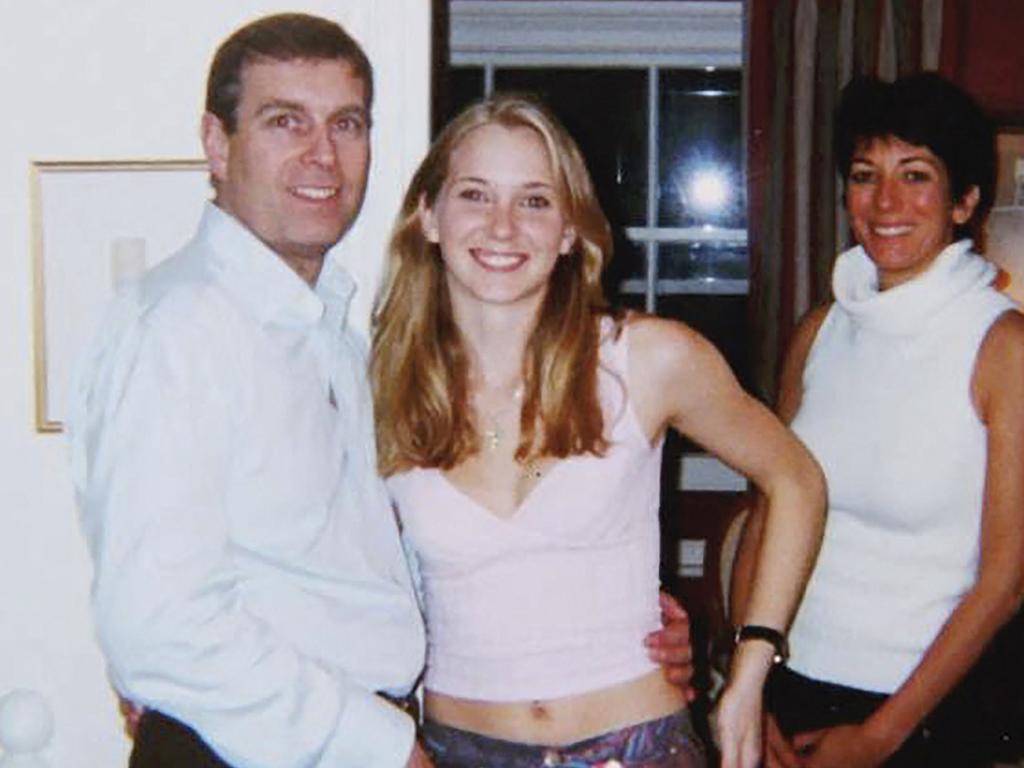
(629,262)
(634,301)
(464,85)
(605,110)
(707,262)
(721,319)
(700,162)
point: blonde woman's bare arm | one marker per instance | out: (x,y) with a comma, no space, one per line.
(787,404)
(678,379)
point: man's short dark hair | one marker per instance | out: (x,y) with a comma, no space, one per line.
(928,111)
(281,37)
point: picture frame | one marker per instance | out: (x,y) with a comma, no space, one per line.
(1005,226)
(97,225)
(1010,177)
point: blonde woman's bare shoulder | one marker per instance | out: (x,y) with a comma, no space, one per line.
(658,341)
(663,353)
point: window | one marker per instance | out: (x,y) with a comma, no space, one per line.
(651,91)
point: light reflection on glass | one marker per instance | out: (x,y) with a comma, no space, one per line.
(705,188)
(709,190)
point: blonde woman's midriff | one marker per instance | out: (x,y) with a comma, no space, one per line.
(564,720)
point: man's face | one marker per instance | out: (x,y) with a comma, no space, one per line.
(294,171)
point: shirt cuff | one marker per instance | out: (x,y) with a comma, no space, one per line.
(370,732)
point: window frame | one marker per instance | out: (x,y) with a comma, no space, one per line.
(621,34)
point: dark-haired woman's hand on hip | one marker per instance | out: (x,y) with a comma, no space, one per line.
(841,746)
(778,751)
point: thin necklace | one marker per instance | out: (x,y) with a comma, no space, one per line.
(494,434)
(531,469)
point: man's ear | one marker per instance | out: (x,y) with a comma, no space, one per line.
(964,208)
(428,221)
(216,145)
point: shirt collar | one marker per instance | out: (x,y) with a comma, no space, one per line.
(261,280)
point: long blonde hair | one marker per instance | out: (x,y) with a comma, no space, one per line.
(419,368)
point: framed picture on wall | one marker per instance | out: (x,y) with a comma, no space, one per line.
(1010,184)
(1006,223)
(95,227)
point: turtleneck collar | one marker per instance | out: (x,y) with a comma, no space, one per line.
(904,308)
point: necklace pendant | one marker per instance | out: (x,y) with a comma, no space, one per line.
(493,438)
(531,470)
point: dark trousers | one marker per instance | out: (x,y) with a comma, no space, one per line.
(163,742)
(944,740)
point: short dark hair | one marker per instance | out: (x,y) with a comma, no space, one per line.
(281,37)
(926,110)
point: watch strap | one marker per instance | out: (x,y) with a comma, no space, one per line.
(767,634)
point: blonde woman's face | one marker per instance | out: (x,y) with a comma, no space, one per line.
(498,218)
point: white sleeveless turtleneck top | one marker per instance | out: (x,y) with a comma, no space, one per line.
(887,411)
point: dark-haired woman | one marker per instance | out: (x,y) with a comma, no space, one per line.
(909,390)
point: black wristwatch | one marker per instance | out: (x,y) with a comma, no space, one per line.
(772,636)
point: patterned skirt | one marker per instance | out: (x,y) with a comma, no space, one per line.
(668,742)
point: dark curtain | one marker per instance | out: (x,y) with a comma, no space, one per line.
(799,55)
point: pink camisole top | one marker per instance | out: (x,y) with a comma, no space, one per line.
(555,600)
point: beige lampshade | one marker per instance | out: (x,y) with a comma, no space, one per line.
(1006,247)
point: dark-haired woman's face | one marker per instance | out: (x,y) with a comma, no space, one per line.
(899,201)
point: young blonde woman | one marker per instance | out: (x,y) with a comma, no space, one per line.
(520,422)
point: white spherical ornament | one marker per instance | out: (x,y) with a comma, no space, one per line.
(26,722)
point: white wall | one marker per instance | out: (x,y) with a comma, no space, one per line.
(124,79)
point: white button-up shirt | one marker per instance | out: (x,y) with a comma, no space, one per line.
(249,579)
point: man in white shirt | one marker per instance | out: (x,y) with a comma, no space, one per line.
(250,591)
(250,588)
